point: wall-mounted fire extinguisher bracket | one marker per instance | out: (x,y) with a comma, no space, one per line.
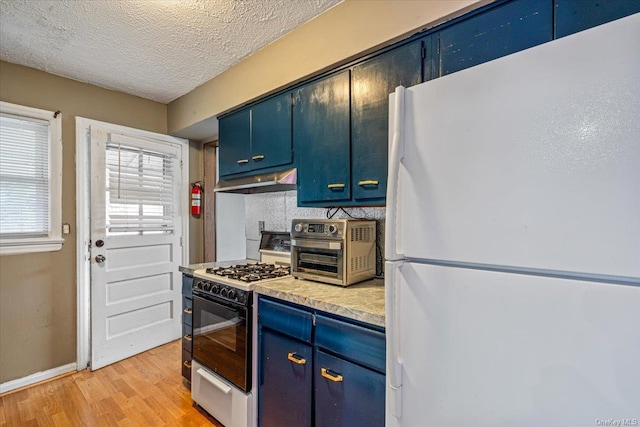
(196,198)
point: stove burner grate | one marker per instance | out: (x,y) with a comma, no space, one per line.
(251,272)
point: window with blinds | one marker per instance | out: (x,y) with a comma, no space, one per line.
(30,179)
(140,191)
(24,177)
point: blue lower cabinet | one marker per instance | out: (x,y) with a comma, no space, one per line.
(187,325)
(187,309)
(347,394)
(187,339)
(285,381)
(336,378)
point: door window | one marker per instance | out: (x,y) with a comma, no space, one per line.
(140,189)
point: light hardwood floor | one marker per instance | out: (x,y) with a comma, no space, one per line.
(144,390)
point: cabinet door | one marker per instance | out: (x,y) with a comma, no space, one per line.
(372,82)
(235,143)
(321,140)
(285,381)
(347,394)
(572,16)
(509,28)
(430,58)
(271,132)
(187,285)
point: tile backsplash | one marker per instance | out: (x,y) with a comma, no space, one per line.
(278,209)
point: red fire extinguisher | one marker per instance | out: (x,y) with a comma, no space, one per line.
(196,198)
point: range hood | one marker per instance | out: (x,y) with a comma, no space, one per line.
(262,183)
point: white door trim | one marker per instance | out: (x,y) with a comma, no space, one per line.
(83,224)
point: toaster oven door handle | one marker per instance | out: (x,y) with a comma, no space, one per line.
(316,244)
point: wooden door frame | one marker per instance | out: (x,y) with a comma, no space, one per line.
(210,162)
(83,224)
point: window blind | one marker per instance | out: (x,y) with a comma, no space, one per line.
(24,177)
(140,190)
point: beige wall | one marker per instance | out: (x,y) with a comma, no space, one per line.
(38,291)
(345,31)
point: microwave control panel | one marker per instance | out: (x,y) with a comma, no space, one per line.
(317,229)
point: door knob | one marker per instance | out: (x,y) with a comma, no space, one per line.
(99,243)
(100,258)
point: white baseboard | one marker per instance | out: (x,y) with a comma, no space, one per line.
(36,378)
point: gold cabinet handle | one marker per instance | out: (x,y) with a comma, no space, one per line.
(241,161)
(368,182)
(296,358)
(187,364)
(327,374)
(188,310)
(187,337)
(258,157)
(332,186)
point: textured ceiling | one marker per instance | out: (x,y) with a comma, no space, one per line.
(155,49)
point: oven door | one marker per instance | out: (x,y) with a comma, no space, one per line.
(222,339)
(316,259)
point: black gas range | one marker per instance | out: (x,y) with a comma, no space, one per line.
(222,328)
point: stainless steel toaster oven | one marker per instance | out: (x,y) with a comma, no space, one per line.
(336,251)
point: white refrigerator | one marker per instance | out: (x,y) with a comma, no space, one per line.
(513,239)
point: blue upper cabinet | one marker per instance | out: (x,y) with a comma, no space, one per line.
(500,31)
(372,82)
(430,57)
(321,138)
(235,143)
(257,138)
(271,132)
(572,16)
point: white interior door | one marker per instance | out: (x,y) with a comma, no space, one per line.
(136,231)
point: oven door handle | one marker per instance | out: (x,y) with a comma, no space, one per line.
(316,244)
(214,381)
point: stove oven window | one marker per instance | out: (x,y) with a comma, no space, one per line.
(220,338)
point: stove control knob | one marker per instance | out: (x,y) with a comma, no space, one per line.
(333,229)
(198,285)
(207,286)
(224,292)
(215,289)
(298,227)
(231,294)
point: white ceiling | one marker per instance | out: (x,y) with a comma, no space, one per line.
(155,49)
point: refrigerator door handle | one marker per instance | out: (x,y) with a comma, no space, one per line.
(394,366)
(396,154)
(395,401)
